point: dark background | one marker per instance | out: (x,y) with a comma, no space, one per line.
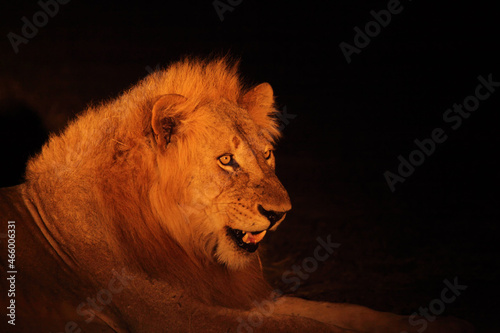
(351,123)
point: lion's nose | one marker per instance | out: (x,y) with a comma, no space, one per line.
(271,215)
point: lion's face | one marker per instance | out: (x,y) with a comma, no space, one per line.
(233,195)
(236,185)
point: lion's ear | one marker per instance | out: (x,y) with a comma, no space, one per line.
(165,118)
(259,101)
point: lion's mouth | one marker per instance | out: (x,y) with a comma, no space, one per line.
(248,241)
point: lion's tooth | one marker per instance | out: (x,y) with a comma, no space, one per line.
(257,238)
(245,238)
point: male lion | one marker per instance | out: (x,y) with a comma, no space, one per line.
(146,213)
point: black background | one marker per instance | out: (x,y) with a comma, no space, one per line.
(351,123)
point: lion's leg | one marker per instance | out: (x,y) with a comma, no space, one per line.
(360,318)
(350,316)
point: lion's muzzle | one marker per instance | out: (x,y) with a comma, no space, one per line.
(271,215)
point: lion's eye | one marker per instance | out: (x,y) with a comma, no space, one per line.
(226,159)
(268,153)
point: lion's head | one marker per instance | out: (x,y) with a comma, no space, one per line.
(232,196)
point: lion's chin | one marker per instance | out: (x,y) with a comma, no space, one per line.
(236,248)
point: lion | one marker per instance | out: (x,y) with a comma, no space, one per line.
(146,214)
